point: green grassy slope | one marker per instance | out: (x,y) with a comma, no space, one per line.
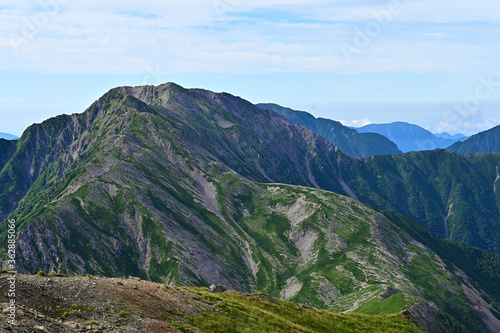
(262,313)
(454,196)
(303,244)
(91,303)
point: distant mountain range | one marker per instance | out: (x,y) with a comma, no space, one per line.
(487,141)
(8,136)
(409,137)
(191,187)
(445,135)
(369,140)
(347,139)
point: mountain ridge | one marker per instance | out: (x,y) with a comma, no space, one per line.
(486,141)
(348,140)
(446,135)
(59,303)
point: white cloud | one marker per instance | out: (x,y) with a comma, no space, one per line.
(479,126)
(443,11)
(357,123)
(432,35)
(191,36)
(467,122)
(249,37)
(443,126)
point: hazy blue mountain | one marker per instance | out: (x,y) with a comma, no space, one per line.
(8,136)
(408,137)
(487,141)
(446,135)
(347,139)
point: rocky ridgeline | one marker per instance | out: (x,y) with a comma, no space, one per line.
(98,304)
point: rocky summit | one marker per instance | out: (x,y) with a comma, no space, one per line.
(190,187)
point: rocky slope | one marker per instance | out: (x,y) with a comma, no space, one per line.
(180,186)
(98,304)
(487,141)
(347,139)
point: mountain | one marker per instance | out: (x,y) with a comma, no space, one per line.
(462,206)
(190,187)
(487,141)
(7,149)
(454,196)
(445,135)
(8,136)
(408,137)
(260,145)
(347,139)
(55,303)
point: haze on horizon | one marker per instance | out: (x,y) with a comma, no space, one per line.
(432,64)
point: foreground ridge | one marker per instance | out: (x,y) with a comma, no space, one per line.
(97,304)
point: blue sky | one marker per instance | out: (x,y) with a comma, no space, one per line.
(426,62)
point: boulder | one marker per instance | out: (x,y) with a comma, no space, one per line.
(217,288)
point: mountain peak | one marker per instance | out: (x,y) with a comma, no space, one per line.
(149,94)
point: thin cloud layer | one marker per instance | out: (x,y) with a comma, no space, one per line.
(273,37)
(236,36)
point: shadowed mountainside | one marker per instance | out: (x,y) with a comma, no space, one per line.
(487,141)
